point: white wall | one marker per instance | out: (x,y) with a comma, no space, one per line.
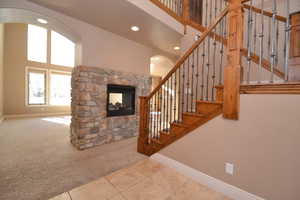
(263,145)
(99,48)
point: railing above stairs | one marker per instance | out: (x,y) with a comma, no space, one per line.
(236,46)
(193,78)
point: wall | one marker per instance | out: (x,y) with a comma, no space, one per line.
(263,145)
(1,69)
(15,61)
(99,48)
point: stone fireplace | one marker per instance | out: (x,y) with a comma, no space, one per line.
(105,106)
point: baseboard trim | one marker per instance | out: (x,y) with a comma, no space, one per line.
(213,183)
(35,115)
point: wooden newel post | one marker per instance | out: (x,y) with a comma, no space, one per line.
(143,128)
(232,75)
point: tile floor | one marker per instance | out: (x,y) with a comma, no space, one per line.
(146,180)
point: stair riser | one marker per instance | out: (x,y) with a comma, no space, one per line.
(207,108)
(190,120)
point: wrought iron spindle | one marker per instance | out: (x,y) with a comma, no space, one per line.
(287,42)
(261,42)
(214,66)
(273,43)
(197,73)
(249,33)
(192,85)
(188,85)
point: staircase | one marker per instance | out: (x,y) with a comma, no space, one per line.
(206,81)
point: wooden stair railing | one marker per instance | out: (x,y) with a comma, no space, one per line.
(186,97)
(255,58)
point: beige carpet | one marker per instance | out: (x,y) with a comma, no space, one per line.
(38,161)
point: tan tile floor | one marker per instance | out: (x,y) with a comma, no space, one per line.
(146,180)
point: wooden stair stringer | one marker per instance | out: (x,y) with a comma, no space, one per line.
(179,130)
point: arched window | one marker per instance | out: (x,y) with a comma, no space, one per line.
(50,58)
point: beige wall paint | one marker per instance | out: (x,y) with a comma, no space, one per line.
(1,69)
(263,145)
(15,61)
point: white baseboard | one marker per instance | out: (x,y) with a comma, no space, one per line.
(35,115)
(213,183)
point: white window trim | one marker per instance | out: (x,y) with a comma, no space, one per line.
(27,70)
(50,71)
(47,82)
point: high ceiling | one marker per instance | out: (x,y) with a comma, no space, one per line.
(118,16)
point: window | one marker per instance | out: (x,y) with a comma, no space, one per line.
(60,86)
(49,81)
(36,88)
(37,44)
(62,50)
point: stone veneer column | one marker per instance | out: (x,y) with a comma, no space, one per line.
(90,126)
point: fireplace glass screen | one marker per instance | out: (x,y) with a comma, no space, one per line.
(120,100)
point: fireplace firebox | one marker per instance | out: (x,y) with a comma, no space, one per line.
(120,100)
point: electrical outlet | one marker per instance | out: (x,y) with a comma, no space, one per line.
(229,168)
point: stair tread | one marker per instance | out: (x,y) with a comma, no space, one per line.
(194,114)
(180,124)
(211,102)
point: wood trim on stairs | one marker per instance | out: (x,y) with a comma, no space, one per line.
(271,88)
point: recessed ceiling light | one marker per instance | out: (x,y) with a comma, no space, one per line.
(135,28)
(42,21)
(176,48)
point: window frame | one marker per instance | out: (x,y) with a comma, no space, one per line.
(47,68)
(51,71)
(27,96)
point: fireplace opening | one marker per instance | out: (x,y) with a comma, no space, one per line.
(120,100)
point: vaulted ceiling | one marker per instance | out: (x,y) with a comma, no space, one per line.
(117,16)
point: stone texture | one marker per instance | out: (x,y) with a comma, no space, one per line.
(90,126)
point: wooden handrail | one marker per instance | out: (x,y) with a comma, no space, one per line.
(169,11)
(190,51)
(266,13)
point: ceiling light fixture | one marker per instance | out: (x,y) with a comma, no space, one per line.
(135,28)
(42,21)
(176,48)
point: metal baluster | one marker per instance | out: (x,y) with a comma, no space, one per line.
(192,88)
(167,113)
(197,73)
(179,94)
(203,70)
(269,39)
(221,52)
(273,54)
(188,85)
(249,33)
(175,91)
(160,110)
(287,42)
(277,42)
(214,65)
(172,102)
(183,82)
(255,32)
(208,68)
(261,42)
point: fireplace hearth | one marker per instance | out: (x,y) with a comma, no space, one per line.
(120,100)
